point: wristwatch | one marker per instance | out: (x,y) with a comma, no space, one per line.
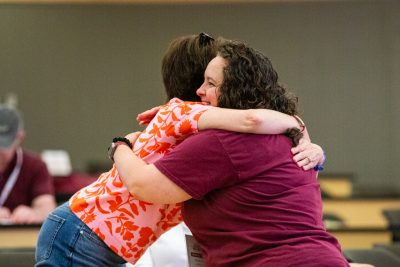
(115,143)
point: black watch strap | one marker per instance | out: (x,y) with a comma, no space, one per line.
(114,145)
(122,139)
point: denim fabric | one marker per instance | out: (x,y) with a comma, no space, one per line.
(64,240)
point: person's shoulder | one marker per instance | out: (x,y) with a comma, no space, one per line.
(203,136)
(230,137)
(213,132)
(176,102)
(217,134)
(33,159)
(179,110)
(223,133)
(28,154)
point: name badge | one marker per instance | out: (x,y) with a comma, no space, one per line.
(195,256)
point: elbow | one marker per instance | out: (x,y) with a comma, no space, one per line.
(137,192)
(134,188)
(130,184)
(253,121)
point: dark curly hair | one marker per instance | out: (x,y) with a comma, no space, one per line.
(251,82)
(184,63)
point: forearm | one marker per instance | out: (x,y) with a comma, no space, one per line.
(144,180)
(266,121)
(258,121)
(130,168)
(43,205)
(306,135)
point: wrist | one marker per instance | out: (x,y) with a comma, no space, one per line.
(117,141)
(320,165)
(302,126)
(119,144)
(123,140)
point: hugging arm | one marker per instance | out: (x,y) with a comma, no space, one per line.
(144,180)
(257,121)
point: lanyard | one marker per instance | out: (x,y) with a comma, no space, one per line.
(12,179)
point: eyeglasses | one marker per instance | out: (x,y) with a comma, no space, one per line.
(205,38)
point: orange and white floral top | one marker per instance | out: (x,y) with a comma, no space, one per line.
(127,225)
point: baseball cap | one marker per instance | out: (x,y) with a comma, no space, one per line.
(10,123)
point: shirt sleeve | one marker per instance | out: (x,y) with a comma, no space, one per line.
(199,165)
(175,121)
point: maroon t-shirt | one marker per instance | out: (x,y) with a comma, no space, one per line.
(34,180)
(252,205)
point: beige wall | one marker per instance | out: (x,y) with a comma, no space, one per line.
(83,72)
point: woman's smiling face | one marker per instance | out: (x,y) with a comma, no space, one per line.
(213,78)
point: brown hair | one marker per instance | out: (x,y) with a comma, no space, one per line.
(184,63)
(250,81)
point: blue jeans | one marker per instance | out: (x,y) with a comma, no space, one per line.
(64,240)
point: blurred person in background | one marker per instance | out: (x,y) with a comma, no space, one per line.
(26,187)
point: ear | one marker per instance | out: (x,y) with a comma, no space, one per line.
(20,137)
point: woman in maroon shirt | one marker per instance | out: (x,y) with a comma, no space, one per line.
(248,203)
